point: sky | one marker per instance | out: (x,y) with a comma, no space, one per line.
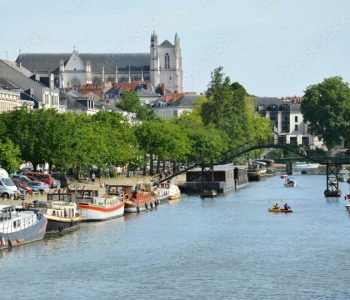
(274,48)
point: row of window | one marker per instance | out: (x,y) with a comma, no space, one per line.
(293,140)
(7,96)
(7,106)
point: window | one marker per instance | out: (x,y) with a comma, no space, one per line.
(282,140)
(296,127)
(293,141)
(167,61)
(284,108)
(296,118)
(305,140)
(175,113)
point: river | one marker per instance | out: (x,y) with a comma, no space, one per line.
(229,247)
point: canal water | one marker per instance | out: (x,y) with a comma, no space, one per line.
(229,247)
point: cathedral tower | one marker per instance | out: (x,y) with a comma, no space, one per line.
(166,64)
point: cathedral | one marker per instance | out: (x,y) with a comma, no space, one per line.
(161,66)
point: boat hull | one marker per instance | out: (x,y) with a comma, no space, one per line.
(274,210)
(101,213)
(139,206)
(61,227)
(31,234)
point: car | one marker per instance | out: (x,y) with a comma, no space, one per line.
(22,185)
(39,187)
(61,178)
(43,177)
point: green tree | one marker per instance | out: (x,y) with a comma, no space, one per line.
(230,109)
(326,107)
(130,102)
(10,156)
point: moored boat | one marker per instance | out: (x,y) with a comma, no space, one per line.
(343,175)
(174,192)
(139,199)
(162,191)
(96,208)
(61,216)
(304,165)
(20,226)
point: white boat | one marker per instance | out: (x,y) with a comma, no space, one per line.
(162,191)
(20,226)
(96,208)
(302,165)
(343,175)
(174,192)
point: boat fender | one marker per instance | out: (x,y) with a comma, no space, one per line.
(151,205)
(137,209)
(156,203)
(3,242)
(146,206)
(126,197)
(9,243)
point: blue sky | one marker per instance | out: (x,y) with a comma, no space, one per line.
(272,47)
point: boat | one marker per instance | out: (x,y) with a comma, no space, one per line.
(256,170)
(20,226)
(347,206)
(62,216)
(344,175)
(280,210)
(304,165)
(290,181)
(209,194)
(138,198)
(161,192)
(174,192)
(96,208)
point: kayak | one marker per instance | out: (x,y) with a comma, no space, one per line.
(279,210)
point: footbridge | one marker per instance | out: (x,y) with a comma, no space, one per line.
(333,164)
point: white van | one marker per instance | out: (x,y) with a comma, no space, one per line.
(7,188)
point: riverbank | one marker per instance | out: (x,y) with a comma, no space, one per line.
(99,184)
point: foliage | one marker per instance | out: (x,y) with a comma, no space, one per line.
(9,156)
(230,109)
(326,107)
(130,102)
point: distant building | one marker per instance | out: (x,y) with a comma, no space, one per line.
(175,107)
(289,125)
(9,96)
(163,64)
(43,94)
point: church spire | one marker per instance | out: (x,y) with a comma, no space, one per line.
(129,75)
(103,74)
(88,72)
(142,79)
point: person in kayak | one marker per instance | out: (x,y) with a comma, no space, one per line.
(276,206)
(286,206)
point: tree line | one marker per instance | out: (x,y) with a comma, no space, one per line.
(222,119)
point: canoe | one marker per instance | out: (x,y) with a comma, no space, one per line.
(280,210)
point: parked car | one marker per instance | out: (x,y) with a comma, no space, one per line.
(39,187)
(62,178)
(21,185)
(21,177)
(43,177)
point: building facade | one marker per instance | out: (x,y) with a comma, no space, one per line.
(45,95)
(289,125)
(9,100)
(162,65)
